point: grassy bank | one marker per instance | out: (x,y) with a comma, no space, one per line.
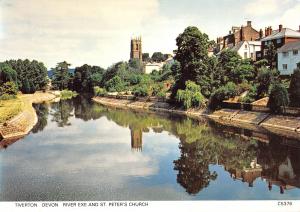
(10,108)
(67,94)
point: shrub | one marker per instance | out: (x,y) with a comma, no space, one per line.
(99,91)
(156,88)
(294,88)
(222,93)
(67,94)
(278,98)
(8,89)
(115,84)
(251,95)
(140,90)
(7,97)
(161,94)
(191,96)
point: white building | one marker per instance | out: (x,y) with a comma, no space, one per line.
(288,58)
(149,67)
(247,49)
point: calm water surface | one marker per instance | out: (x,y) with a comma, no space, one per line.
(83,151)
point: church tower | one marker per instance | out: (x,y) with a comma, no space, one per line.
(136,48)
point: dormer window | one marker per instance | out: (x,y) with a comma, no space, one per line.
(246,46)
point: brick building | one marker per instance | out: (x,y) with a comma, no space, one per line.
(238,34)
(278,37)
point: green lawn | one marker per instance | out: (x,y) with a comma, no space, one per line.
(10,108)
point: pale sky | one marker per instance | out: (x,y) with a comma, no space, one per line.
(98,32)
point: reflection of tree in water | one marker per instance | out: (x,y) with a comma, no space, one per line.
(62,111)
(85,109)
(193,172)
(42,112)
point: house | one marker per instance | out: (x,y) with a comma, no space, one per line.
(248,49)
(151,66)
(278,37)
(288,57)
(238,34)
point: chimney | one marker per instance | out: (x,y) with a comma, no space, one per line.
(249,23)
(299,28)
(266,31)
(280,27)
(271,30)
(229,32)
(261,33)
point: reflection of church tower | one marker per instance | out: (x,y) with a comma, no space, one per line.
(136,139)
(136,49)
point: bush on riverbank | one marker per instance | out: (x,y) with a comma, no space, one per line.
(8,90)
(67,94)
(222,93)
(278,99)
(99,91)
(191,96)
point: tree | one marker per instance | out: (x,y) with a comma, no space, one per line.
(278,98)
(191,96)
(222,93)
(115,84)
(9,89)
(135,65)
(294,89)
(192,54)
(265,78)
(7,74)
(61,76)
(34,71)
(146,57)
(158,57)
(271,55)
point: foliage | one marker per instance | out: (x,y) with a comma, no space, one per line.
(161,94)
(191,96)
(224,92)
(251,95)
(265,78)
(158,57)
(140,90)
(278,98)
(135,65)
(7,74)
(271,55)
(86,77)
(67,94)
(61,76)
(294,89)
(156,88)
(8,89)
(99,91)
(116,84)
(32,73)
(192,54)
(146,57)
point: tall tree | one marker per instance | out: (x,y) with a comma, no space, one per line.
(294,88)
(271,55)
(61,76)
(192,54)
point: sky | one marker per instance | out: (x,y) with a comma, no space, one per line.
(98,32)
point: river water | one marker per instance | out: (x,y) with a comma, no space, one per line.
(80,150)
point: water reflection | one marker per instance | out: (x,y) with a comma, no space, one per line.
(256,159)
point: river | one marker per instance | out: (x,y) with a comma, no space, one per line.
(80,150)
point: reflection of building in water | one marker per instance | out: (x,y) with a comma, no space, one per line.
(7,142)
(248,175)
(136,139)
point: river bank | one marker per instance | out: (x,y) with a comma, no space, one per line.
(288,126)
(22,122)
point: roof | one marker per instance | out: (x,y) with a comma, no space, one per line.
(241,43)
(290,46)
(285,32)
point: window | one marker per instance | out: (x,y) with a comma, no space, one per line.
(285,54)
(252,55)
(298,65)
(246,46)
(295,52)
(284,66)
(245,55)
(278,41)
